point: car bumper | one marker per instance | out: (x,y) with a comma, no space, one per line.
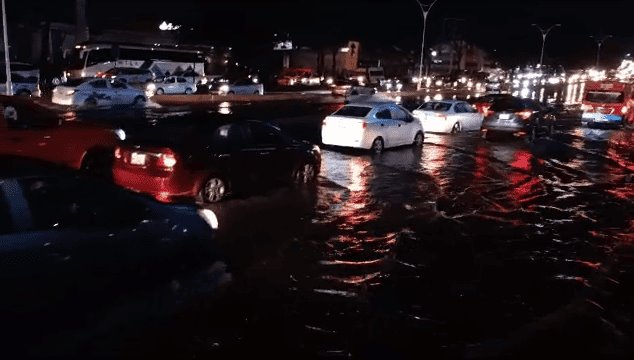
(343,139)
(163,188)
(601,118)
(440,126)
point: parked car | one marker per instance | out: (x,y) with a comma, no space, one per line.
(93,92)
(25,79)
(242,87)
(351,88)
(520,117)
(207,159)
(449,116)
(128,75)
(483,103)
(30,130)
(372,125)
(172,85)
(74,248)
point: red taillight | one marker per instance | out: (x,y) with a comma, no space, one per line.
(524,114)
(488,112)
(166,160)
(624,110)
(364,125)
(117,153)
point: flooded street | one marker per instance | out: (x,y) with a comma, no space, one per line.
(464,249)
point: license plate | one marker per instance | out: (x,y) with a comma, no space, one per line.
(137,159)
(505,116)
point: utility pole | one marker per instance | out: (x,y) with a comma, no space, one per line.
(599,39)
(425,9)
(7,63)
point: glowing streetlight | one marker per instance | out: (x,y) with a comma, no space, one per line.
(544,34)
(165,26)
(425,9)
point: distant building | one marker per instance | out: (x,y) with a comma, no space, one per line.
(456,56)
(334,60)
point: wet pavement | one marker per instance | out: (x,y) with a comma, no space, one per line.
(465,248)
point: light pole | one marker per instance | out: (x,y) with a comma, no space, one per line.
(544,34)
(425,9)
(600,40)
(7,64)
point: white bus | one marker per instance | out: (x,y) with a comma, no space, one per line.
(99,58)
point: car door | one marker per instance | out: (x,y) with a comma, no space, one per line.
(170,86)
(402,127)
(182,84)
(474,115)
(386,127)
(262,153)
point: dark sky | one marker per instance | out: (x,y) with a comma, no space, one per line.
(502,27)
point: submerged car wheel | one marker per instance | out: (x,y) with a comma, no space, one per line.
(456,128)
(419,139)
(305,174)
(160,91)
(213,190)
(139,100)
(90,102)
(188,91)
(378,146)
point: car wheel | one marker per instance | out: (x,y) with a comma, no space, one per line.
(456,128)
(256,93)
(213,190)
(378,146)
(139,100)
(160,91)
(188,91)
(305,174)
(419,139)
(231,92)
(90,102)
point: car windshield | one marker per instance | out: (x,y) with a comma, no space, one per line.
(353,111)
(511,104)
(608,97)
(435,106)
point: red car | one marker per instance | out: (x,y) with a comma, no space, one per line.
(206,159)
(30,130)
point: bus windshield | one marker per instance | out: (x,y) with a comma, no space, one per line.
(606,97)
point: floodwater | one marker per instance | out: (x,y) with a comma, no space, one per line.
(465,248)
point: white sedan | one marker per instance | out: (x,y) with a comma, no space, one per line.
(97,92)
(450,116)
(172,85)
(372,125)
(242,87)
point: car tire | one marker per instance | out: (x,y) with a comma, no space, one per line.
(304,175)
(139,100)
(160,91)
(213,190)
(188,91)
(90,102)
(456,128)
(419,138)
(256,93)
(377,145)
(231,92)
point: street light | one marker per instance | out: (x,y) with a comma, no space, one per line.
(425,9)
(7,64)
(600,40)
(544,34)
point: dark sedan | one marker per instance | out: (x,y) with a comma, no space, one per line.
(73,247)
(520,117)
(206,159)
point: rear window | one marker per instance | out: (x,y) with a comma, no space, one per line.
(511,104)
(353,111)
(608,97)
(435,106)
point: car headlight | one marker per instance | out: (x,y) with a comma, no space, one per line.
(151,87)
(120,134)
(224,88)
(210,218)
(203,81)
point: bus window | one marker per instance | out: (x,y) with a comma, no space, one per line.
(99,56)
(604,97)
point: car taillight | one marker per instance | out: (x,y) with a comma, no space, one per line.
(524,115)
(364,125)
(324,122)
(624,110)
(488,112)
(117,153)
(166,160)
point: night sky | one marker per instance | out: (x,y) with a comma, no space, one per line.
(502,27)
